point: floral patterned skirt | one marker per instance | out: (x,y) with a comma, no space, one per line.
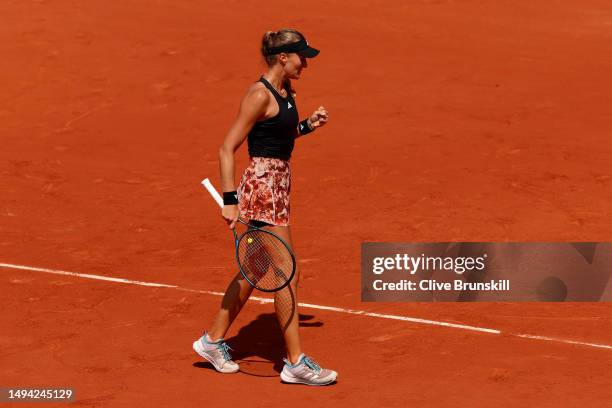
(263,193)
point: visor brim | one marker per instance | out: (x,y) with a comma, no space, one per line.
(308,52)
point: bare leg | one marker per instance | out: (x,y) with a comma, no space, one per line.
(235,297)
(285,304)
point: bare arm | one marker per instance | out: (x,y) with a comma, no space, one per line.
(252,107)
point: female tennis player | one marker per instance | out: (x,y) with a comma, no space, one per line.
(268,119)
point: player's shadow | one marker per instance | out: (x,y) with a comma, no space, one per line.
(259,347)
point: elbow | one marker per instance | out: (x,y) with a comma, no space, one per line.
(225,153)
(224,149)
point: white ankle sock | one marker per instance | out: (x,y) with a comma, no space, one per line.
(298,360)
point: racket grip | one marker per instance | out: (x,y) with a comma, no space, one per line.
(206,183)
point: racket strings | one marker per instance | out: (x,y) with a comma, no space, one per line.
(264,259)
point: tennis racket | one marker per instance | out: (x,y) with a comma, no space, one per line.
(264,259)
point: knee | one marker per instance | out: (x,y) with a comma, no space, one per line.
(296,277)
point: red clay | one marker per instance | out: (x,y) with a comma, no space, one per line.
(479,121)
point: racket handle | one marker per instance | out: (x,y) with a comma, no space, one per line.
(206,183)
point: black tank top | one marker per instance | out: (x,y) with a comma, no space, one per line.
(274,137)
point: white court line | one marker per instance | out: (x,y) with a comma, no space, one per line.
(308,305)
(86,275)
(545,338)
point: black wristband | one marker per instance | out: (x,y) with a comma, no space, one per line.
(230,198)
(305,127)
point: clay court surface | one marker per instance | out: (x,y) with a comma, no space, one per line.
(449,121)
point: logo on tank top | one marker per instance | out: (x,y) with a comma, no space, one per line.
(289,105)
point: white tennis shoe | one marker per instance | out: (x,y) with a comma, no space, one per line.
(216,353)
(306,371)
